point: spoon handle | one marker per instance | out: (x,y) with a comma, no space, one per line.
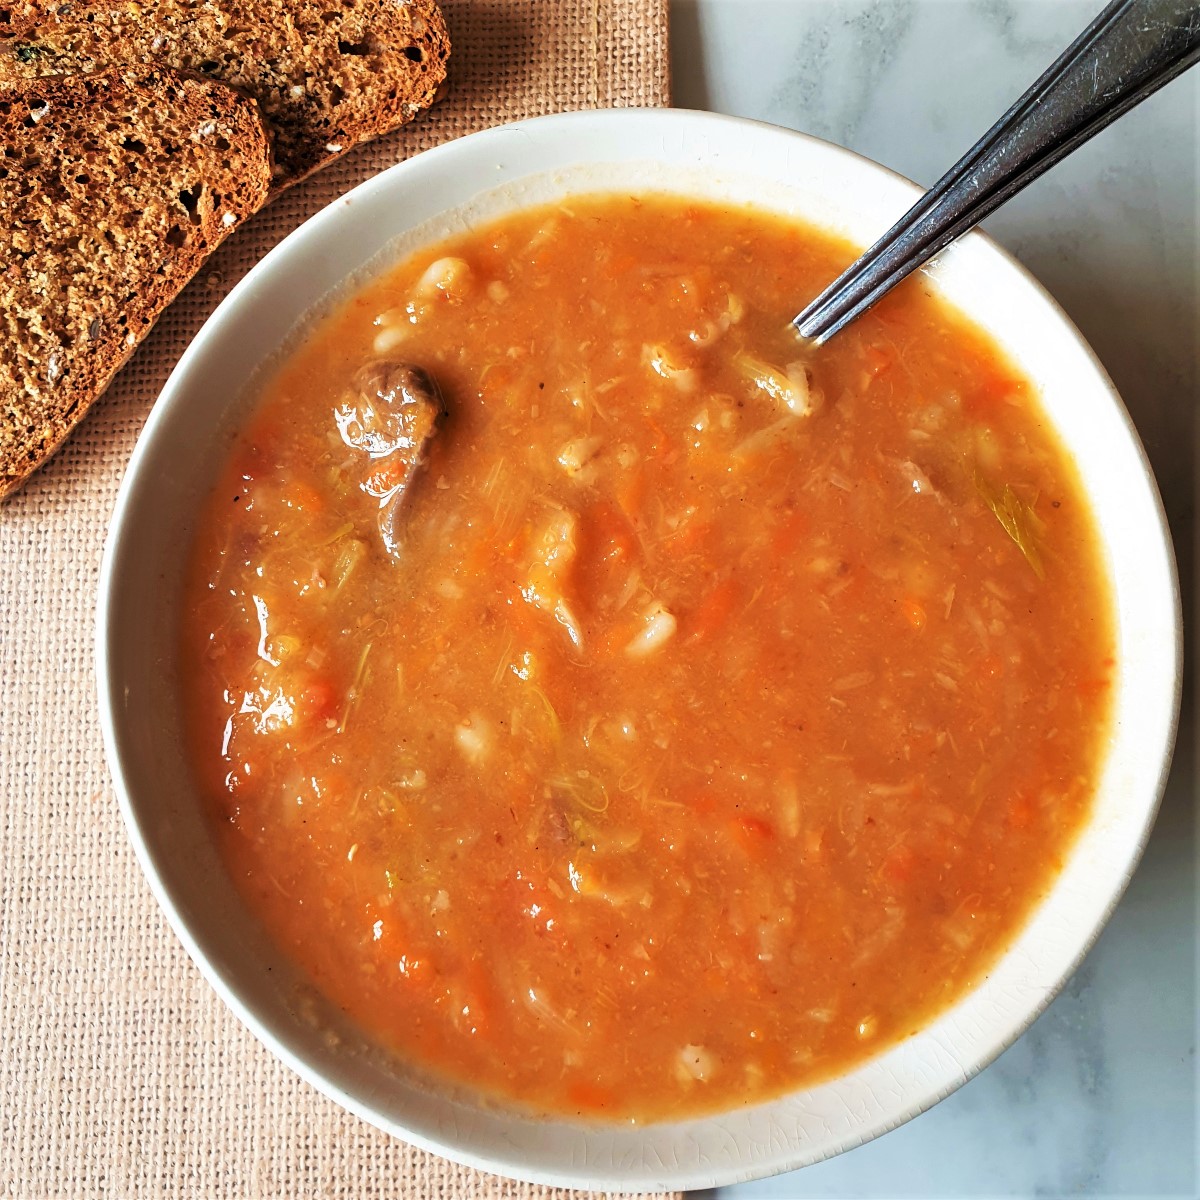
(1130,50)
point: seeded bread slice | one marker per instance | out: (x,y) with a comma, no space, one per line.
(327,73)
(113,188)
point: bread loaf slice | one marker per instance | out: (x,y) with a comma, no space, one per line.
(114,187)
(327,73)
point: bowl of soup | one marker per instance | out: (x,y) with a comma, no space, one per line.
(586,732)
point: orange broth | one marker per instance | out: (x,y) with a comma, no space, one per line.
(728,708)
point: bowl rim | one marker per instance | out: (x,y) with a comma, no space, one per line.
(679,121)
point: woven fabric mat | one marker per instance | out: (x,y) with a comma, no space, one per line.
(121,1073)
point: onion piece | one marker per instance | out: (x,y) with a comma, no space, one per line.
(660,361)
(660,626)
(695,1064)
(474,738)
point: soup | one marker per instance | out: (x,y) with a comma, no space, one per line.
(620,710)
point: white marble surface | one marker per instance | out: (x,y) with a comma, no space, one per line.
(1099,1098)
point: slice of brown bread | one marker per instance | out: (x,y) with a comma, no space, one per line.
(327,73)
(113,188)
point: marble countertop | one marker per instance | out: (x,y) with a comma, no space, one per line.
(1099,1097)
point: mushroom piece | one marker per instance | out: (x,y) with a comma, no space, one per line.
(390,414)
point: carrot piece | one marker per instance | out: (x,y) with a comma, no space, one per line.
(497,381)
(621,264)
(814,850)
(711,614)
(992,666)
(1093,686)
(992,388)
(879,359)
(585,1095)
(317,701)
(390,474)
(608,532)
(659,445)
(790,533)
(631,494)
(1020,813)
(478,998)
(477,560)
(914,612)
(686,539)
(898,865)
(303,497)
(618,635)
(393,948)
(752,834)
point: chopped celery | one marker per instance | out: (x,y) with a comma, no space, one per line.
(338,534)
(584,789)
(349,555)
(353,693)
(1017,518)
(551,714)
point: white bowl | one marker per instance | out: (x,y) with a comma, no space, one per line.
(185,442)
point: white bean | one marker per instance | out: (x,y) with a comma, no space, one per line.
(449,275)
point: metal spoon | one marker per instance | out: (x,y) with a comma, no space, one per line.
(1129,51)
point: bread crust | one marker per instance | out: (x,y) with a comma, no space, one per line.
(327,75)
(114,188)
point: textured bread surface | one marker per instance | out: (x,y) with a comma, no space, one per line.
(114,187)
(327,73)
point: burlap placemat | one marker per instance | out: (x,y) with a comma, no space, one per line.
(121,1073)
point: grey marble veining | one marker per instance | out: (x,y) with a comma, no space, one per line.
(1099,1098)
